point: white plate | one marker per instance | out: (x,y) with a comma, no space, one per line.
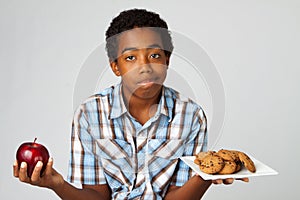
(261,170)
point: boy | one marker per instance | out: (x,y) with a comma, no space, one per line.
(126,141)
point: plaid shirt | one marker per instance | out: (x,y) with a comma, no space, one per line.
(137,161)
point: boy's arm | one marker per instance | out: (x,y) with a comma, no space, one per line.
(194,188)
(53,180)
(88,192)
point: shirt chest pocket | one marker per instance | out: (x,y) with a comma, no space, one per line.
(167,149)
(113,149)
(116,158)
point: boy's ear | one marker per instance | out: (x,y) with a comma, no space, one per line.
(114,67)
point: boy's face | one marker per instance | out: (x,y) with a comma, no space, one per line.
(141,62)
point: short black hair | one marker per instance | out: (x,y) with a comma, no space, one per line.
(136,18)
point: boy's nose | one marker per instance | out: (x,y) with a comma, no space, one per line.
(145,66)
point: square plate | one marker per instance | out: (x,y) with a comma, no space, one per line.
(261,170)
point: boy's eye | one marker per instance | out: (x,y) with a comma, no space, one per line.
(130,58)
(155,55)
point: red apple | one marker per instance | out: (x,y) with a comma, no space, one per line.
(31,153)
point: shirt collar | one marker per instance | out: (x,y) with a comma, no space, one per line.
(118,107)
(166,103)
(165,107)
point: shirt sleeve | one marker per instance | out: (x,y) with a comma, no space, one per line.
(84,165)
(196,142)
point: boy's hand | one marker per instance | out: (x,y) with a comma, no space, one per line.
(50,178)
(228,181)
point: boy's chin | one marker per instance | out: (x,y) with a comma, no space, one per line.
(148,90)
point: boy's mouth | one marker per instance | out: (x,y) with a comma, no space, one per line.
(147,82)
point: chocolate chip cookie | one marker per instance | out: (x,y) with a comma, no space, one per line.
(228,155)
(229,167)
(211,164)
(247,162)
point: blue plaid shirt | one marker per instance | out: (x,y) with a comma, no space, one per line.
(137,161)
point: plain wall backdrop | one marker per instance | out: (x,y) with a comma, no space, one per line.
(254,45)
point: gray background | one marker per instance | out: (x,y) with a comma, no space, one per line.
(253,44)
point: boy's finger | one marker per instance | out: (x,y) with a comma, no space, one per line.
(23,172)
(217,181)
(48,170)
(243,179)
(246,179)
(15,169)
(228,181)
(35,177)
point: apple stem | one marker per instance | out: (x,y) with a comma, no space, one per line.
(34,140)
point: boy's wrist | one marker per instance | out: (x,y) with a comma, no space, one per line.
(59,185)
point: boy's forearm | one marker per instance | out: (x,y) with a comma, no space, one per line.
(192,189)
(69,192)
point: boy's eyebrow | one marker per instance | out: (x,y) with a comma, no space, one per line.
(152,46)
